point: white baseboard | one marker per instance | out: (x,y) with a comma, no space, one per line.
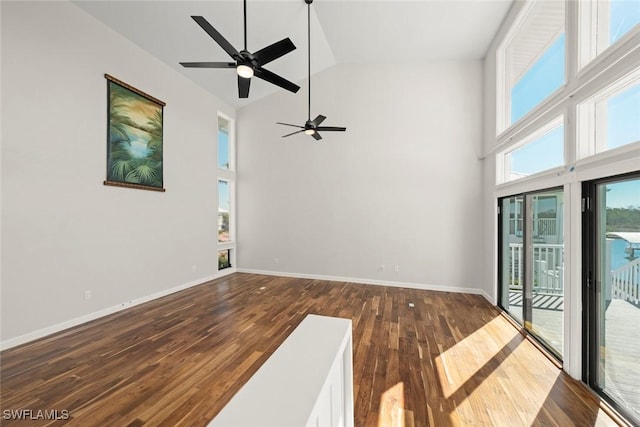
(40,333)
(426,287)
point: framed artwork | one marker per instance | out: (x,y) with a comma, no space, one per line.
(134,137)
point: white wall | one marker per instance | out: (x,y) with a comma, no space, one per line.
(63,231)
(402,186)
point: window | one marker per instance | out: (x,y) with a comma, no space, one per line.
(224,259)
(568,119)
(541,80)
(224,209)
(534,59)
(605,23)
(623,111)
(223,144)
(226,192)
(611,119)
(623,16)
(541,151)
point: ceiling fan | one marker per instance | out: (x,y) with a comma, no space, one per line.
(312,127)
(247,64)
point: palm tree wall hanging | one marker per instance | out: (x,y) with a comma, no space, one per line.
(134,137)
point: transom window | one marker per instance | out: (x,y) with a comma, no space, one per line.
(541,151)
(605,23)
(534,59)
(611,118)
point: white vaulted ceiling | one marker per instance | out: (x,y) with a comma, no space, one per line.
(342,31)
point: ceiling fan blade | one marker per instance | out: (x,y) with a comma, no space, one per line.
(215,35)
(243,87)
(208,64)
(287,124)
(274,51)
(292,133)
(270,77)
(317,136)
(318,120)
(331,128)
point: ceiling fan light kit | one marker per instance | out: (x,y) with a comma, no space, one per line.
(244,71)
(247,64)
(311,127)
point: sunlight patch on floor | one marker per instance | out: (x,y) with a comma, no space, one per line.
(475,373)
(392,412)
(461,362)
(523,365)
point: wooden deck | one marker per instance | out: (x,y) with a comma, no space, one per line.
(547,316)
(450,360)
(622,353)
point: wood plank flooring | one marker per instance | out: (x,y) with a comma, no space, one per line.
(452,359)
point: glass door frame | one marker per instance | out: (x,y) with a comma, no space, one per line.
(501,254)
(591,318)
(527,287)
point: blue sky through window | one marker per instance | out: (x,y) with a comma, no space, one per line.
(624,194)
(623,16)
(541,80)
(223,149)
(547,74)
(623,118)
(541,154)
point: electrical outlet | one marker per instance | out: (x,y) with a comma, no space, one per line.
(277,260)
(381,268)
(194,268)
(397,268)
(87,295)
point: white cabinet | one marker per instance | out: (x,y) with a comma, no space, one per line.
(307,381)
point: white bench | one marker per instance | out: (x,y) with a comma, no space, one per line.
(307,381)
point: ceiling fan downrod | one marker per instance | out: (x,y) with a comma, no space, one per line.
(308,2)
(311,127)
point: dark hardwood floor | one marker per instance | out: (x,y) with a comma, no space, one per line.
(453,359)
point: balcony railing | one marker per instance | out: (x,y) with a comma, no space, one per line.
(625,282)
(542,227)
(548,268)
(549,271)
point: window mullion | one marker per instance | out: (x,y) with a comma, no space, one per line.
(572,51)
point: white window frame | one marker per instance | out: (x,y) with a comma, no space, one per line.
(504,156)
(232,145)
(584,81)
(504,88)
(230,176)
(594,19)
(592,118)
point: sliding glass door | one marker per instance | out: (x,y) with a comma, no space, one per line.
(546,261)
(532,264)
(611,273)
(511,244)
